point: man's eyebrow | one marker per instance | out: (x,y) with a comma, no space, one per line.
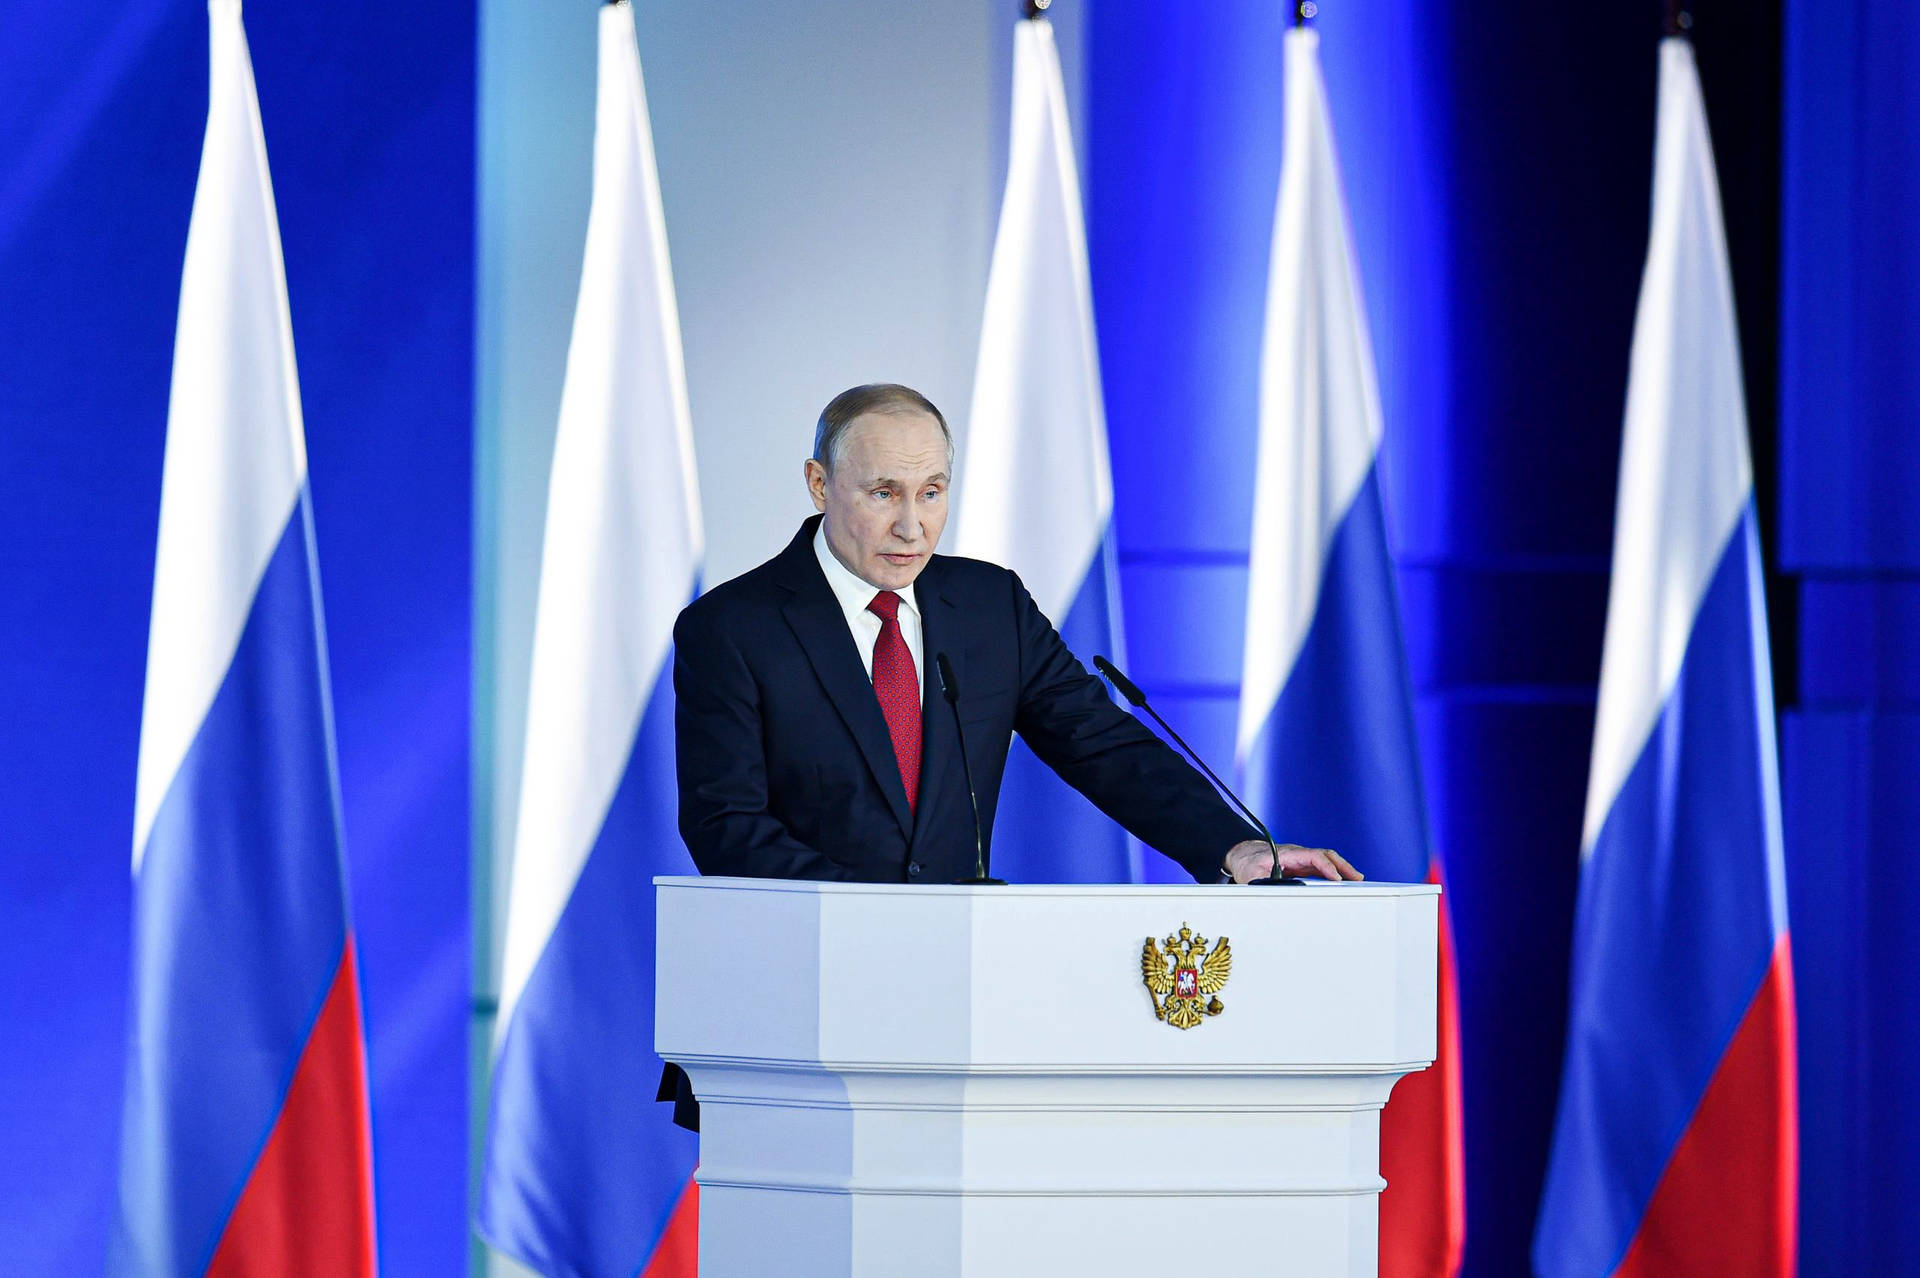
(940,478)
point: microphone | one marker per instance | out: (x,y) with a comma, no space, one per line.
(950,689)
(1131,691)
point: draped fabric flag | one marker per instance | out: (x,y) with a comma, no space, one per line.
(1326,735)
(1675,1148)
(584,1173)
(245,1145)
(1037,491)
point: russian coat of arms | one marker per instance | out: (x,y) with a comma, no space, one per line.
(1185,978)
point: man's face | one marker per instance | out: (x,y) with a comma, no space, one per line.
(885,500)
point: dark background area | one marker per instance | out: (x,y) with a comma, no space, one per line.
(1498,171)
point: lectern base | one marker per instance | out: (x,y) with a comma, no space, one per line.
(884,1174)
(764,1232)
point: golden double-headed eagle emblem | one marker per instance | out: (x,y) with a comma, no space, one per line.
(1183,974)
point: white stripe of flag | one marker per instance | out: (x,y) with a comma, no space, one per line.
(236,454)
(1037,493)
(623,541)
(1319,399)
(1685,474)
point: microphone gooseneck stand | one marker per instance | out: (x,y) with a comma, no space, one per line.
(950,689)
(1131,691)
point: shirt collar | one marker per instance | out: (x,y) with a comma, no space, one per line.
(853,593)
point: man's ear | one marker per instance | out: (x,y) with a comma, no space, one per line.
(817,483)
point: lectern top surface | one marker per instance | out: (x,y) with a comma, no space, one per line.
(1311,887)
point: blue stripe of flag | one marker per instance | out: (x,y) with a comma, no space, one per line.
(239,926)
(583,1168)
(1674,932)
(1336,763)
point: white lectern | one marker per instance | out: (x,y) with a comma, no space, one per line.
(980,1081)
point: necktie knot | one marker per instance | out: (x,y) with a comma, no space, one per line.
(885,605)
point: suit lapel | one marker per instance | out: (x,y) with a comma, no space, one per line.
(821,628)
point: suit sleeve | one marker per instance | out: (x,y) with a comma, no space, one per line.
(1069,721)
(720,756)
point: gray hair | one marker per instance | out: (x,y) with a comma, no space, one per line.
(848,406)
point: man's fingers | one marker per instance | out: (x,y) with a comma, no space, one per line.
(1244,863)
(1324,862)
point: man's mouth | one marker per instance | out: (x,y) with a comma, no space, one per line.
(900,560)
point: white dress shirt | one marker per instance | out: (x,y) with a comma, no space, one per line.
(854,596)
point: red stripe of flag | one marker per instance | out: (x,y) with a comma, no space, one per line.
(307,1209)
(1727,1202)
(1423,1211)
(677,1255)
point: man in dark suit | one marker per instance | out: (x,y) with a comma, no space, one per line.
(809,745)
(807,737)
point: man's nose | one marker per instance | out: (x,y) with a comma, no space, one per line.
(907,524)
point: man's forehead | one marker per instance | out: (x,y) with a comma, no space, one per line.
(900,444)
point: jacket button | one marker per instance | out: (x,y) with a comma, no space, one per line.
(913,869)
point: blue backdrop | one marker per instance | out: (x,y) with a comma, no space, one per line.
(1498,177)
(368,111)
(1850,533)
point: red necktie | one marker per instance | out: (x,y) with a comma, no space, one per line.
(897,684)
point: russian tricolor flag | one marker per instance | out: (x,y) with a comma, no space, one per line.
(1037,491)
(1675,1146)
(1326,737)
(584,1173)
(245,1145)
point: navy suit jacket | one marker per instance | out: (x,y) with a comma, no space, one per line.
(786,769)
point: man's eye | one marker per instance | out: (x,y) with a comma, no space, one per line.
(883,493)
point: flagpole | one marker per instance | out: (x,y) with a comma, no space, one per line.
(1302,10)
(1679,19)
(1035,8)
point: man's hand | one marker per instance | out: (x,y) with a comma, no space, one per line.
(1254,860)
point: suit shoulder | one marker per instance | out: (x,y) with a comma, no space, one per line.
(975,578)
(751,591)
